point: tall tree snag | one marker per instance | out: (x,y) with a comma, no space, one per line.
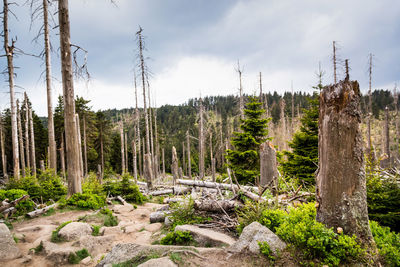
(340,183)
(3,153)
(28,155)
(201,141)
(21,142)
(32,143)
(174,165)
(9,50)
(71,136)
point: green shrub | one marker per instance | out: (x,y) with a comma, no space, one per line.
(39,248)
(96,230)
(55,238)
(75,258)
(125,188)
(177,238)
(388,243)
(87,201)
(23,206)
(266,250)
(250,212)
(91,185)
(272,218)
(184,213)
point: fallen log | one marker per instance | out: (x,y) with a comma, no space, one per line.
(158,216)
(41,211)
(216,185)
(13,203)
(176,190)
(120,199)
(9,212)
(215,205)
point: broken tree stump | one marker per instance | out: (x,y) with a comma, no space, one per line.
(268,166)
(340,183)
(174,165)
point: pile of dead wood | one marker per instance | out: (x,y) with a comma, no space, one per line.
(8,208)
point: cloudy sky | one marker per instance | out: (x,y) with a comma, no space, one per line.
(193,47)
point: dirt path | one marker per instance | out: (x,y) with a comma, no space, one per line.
(134,227)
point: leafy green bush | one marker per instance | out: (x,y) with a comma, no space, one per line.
(23,206)
(251,212)
(125,188)
(87,201)
(177,238)
(55,238)
(96,230)
(110,219)
(91,185)
(75,258)
(266,250)
(388,243)
(184,213)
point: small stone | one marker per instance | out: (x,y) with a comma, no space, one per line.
(154,227)
(206,237)
(164,262)
(86,260)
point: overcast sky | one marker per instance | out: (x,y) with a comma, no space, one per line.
(193,47)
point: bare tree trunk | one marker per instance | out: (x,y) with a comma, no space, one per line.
(183,158)
(32,139)
(99,174)
(334,62)
(212,159)
(396,121)
(386,161)
(62,155)
(50,124)
(143,73)
(189,170)
(369,145)
(268,166)
(9,50)
(140,157)
(134,161)
(21,142)
(163,163)
(85,172)
(174,166)
(3,153)
(151,128)
(42,167)
(157,148)
(126,152)
(122,149)
(340,183)
(201,142)
(78,132)
(71,136)
(28,155)
(101,150)
(148,169)
(241,101)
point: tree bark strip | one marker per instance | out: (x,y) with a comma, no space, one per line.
(32,144)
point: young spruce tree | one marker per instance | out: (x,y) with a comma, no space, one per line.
(244,159)
(302,161)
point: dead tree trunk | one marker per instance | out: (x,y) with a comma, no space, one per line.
(9,51)
(396,120)
(21,142)
(101,149)
(28,155)
(334,59)
(174,165)
(78,132)
(386,161)
(163,162)
(50,124)
(121,130)
(62,155)
(85,172)
(183,158)
(212,159)
(3,153)
(134,161)
(189,167)
(71,136)
(261,92)
(32,144)
(42,167)
(126,152)
(151,127)
(140,156)
(241,101)
(340,183)
(369,116)
(268,166)
(201,142)
(148,169)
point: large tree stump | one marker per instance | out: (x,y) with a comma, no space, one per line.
(174,165)
(268,167)
(341,187)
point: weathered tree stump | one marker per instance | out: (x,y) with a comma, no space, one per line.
(174,165)
(341,186)
(268,167)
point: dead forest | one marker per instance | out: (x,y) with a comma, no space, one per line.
(268,179)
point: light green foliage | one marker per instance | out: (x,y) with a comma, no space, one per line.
(38,249)
(266,250)
(87,201)
(139,259)
(388,243)
(250,212)
(177,238)
(184,213)
(96,230)
(55,238)
(125,188)
(244,159)
(75,258)
(23,206)
(91,185)
(110,219)
(175,257)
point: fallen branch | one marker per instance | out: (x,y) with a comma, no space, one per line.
(216,185)
(215,205)
(41,211)
(120,199)
(175,191)
(13,203)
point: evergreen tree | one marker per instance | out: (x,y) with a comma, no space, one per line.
(244,159)
(302,161)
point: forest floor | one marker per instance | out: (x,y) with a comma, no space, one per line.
(134,227)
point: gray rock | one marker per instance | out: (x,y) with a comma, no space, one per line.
(122,208)
(86,261)
(206,237)
(168,221)
(95,244)
(254,233)
(158,216)
(164,262)
(55,253)
(163,208)
(8,247)
(75,230)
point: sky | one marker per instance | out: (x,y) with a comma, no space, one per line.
(193,46)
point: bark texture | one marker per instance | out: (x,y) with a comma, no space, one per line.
(32,143)
(341,186)
(174,165)
(21,142)
(268,166)
(3,153)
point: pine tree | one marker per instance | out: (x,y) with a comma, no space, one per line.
(244,159)
(302,161)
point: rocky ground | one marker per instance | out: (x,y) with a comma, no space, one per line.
(132,237)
